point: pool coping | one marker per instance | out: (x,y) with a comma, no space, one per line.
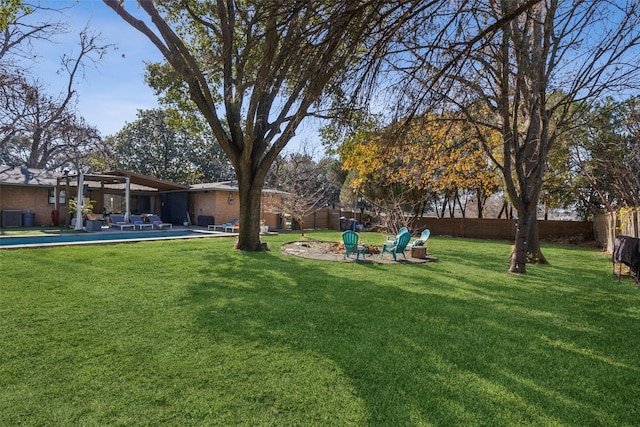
(150,235)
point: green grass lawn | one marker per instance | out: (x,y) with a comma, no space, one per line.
(194,333)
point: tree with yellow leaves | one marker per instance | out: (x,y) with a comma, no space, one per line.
(428,159)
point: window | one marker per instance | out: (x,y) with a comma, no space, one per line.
(52,197)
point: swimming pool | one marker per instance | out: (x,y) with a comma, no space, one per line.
(15,242)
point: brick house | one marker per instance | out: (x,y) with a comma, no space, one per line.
(218,203)
(27,193)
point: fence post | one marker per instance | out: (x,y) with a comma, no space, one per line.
(611,232)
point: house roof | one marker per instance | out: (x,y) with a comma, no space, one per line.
(231,186)
(16,175)
(215,186)
(21,175)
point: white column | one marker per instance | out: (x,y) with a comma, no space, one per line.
(126,195)
(56,194)
(79,201)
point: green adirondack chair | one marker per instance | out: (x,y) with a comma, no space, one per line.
(422,241)
(350,240)
(398,246)
(391,239)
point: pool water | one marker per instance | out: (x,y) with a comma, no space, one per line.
(8,242)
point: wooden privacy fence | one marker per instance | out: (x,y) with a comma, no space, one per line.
(503,229)
(327,218)
(474,228)
(621,223)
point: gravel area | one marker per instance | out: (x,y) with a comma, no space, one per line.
(332,251)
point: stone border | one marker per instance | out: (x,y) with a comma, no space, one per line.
(320,250)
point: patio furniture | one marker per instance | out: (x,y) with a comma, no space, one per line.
(626,250)
(205,220)
(232,227)
(422,240)
(138,221)
(231,224)
(397,246)
(157,222)
(118,221)
(391,239)
(351,245)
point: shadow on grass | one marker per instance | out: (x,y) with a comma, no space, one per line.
(460,342)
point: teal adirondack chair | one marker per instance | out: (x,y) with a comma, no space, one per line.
(398,246)
(391,239)
(422,241)
(350,240)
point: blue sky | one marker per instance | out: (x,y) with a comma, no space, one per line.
(113,90)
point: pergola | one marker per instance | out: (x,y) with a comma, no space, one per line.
(111,178)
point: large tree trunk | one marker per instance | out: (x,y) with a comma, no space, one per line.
(250,192)
(534,252)
(527,243)
(518,262)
